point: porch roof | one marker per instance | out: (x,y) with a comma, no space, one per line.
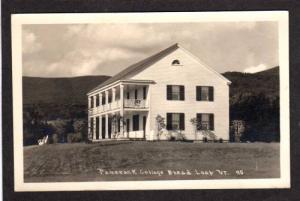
(125,81)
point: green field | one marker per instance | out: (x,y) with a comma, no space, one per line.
(139,160)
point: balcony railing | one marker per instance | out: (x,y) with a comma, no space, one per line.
(128,103)
(135,103)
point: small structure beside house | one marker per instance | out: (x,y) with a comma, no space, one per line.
(173,84)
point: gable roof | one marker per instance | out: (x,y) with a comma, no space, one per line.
(149,61)
(138,66)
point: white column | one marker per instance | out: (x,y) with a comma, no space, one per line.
(100,127)
(89,102)
(89,127)
(106,126)
(94,97)
(113,94)
(122,110)
(100,99)
(106,100)
(94,128)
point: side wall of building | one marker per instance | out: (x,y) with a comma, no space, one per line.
(190,73)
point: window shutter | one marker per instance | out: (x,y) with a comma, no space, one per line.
(169,92)
(181,119)
(181,89)
(211,122)
(169,121)
(211,93)
(198,93)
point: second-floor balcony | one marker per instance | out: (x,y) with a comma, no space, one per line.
(128,103)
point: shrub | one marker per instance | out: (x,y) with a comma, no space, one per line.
(205,139)
(221,140)
(74,137)
(54,138)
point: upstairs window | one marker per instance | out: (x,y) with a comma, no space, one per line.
(175,121)
(103,100)
(97,100)
(204,93)
(175,92)
(175,62)
(92,101)
(135,94)
(206,121)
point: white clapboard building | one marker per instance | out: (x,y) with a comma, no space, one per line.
(173,84)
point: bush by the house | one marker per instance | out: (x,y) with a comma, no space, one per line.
(74,137)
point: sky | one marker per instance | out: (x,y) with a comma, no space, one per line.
(67,50)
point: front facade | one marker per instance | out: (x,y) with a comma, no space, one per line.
(172,84)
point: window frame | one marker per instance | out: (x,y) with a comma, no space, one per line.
(181,93)
(180,122)
(210,93)
(210,122)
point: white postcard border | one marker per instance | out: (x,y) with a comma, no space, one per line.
(280,16)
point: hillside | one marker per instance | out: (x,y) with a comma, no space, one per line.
(264,82)
(59,90)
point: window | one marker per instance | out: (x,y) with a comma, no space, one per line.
(144,93)
(176,62)
(135,122)
(92,101)
(128,95)
(103,100)
(206,121)
(136,94)
(97,100)
(175,121)
(109,98)
(204,93)
(127,125)
(175,92)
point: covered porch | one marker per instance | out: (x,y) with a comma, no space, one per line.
(132,125)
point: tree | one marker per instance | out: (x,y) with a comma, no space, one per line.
(160,124)
(197,124)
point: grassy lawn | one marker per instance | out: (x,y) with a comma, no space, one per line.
(145,160)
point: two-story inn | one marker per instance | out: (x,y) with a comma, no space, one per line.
(172,84)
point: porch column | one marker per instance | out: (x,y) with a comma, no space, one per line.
(100,99)
(95,98)
(100,127)
(113,94)
(106,126)
(106,98)
(122,119)
(89,102)
(89,128)
(94,128)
